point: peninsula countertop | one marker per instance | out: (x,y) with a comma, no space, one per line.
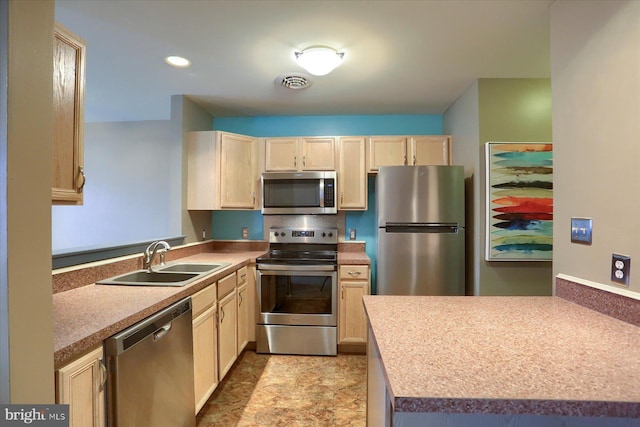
(505,355)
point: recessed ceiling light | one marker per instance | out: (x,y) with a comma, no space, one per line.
(177,61)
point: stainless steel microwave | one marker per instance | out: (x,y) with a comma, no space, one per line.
(299,193)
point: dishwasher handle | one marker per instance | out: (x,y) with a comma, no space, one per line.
(161,332)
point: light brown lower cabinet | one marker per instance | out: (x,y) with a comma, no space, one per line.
(205,355)
(243,318)
(81,385)
(352,321)
(227,325)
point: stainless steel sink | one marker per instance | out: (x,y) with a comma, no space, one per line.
(155,278)
(192,267)
(178,274)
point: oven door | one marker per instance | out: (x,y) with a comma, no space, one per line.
(297,297)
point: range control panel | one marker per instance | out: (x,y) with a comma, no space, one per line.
(303,235)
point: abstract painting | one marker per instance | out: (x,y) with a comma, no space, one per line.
(519,190)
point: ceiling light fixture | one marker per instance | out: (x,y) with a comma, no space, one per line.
(177,61)
(319,60)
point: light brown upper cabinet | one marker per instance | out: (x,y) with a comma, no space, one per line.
(68,178)
(352,174)
(221,171)
(402,150)
(300,154)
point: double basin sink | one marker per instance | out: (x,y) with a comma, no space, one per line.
(177,274)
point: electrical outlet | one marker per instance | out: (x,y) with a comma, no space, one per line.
(581,229)
(245,232)
(352,234)
(620,269)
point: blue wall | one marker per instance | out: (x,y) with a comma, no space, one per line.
(331,125)
(227,225)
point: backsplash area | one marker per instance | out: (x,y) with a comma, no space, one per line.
(614,305)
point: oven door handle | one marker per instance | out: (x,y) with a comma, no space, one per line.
(283,269)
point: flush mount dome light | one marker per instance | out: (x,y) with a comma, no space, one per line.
(319,60)
(177,61)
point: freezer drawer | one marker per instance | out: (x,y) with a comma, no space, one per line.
(421,263)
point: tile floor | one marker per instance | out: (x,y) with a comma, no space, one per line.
(275,390)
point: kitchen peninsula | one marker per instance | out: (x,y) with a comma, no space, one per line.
(485,361)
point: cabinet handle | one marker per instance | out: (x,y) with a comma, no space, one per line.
(240,302)
(243,276)
(354,273)
(414,159)
(295,161)
(405,159)
(342,292)
(341,197)
(103,371)
(84,179)
(254,198)
(304,161)
(222,318)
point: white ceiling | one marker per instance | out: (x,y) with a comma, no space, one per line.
(402,57)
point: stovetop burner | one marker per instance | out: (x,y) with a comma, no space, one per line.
(301,247)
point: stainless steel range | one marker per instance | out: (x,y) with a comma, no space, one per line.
(297,292)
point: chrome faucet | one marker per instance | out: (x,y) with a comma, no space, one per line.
(150,253)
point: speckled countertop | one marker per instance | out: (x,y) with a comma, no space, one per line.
(85,316)
(505,355)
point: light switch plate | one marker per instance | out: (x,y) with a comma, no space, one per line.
(620,269)
(581,230)
(245,232)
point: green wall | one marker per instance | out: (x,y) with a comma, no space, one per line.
(511,110)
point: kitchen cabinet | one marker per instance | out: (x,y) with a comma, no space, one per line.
(81,385)
(68,176)
(352,174)
(352,321)
(300,154)
(221,171)
(227,324)
(402,150)
(205,344)
(243,309)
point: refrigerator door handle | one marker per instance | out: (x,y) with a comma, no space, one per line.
(421,228)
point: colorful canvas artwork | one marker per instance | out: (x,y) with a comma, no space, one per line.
(519,189)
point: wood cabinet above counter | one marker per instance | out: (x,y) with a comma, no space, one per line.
(224,168)
(68,176)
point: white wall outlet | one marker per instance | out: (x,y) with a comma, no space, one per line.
(352,234)
(581,229)
(245,232)
(620,269)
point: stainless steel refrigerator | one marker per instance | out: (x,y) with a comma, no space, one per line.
(421,239)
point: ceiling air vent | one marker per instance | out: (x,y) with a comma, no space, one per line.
(294,81)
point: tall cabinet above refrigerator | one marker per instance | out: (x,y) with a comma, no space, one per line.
(421,230)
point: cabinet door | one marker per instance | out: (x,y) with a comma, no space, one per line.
(281,155)
(352,174)
(318,154)
(243,318)
(68,117)
(387,151)
(354,284)
(227,337)
(205,356)
(80,384)
(237,171)
(431,150)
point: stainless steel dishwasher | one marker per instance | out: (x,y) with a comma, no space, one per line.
(150,371)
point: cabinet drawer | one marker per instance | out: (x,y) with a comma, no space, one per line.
(242,276)
(354,272)
(226,285)
(202,300)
